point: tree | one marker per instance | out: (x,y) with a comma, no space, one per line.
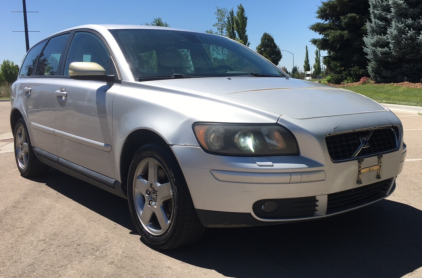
(306,66)
(342,31)
(269,49)
(240,22)
(221,15)
(230,30)
(317,64)
(158,22)
(294,71)
(393,43)
(8,72)
(285,70)
(405,36)
(377,42)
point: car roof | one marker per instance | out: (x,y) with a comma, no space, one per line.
(104,27)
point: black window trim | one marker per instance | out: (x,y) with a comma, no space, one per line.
(59,68)
(117,78)
(36,63)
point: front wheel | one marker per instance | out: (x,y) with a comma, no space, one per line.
(159,200)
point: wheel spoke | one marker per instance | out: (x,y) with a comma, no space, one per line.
(162,218)
(141,184)
(23,135)
(25,159)
(152,171)
(20,156)
(164,193)
(146,214)
(25,147)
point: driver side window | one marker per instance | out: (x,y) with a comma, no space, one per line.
(86,47)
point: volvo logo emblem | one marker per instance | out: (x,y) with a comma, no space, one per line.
(364,143)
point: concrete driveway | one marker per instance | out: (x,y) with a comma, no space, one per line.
(58,226)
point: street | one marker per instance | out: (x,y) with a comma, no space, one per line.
(58,226)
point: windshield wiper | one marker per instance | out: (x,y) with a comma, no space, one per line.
(264,75)
(162,77)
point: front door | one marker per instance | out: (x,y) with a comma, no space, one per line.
(84,120)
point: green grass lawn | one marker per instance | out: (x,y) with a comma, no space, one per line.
(4,98)
(390,94)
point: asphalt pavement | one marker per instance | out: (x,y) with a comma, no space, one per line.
(58,226)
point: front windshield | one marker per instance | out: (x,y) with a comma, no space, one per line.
(176,54)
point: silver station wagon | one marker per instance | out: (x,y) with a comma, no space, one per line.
(196,130)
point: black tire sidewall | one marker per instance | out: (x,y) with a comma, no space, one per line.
(31,155)
(167,161)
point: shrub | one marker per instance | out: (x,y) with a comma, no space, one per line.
(365,80)
(5,90)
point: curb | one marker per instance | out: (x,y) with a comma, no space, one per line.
(407,108)
(4,100)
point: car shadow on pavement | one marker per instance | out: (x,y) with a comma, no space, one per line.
(381,240)
(93,198)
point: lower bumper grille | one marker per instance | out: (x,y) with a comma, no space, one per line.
(287,208)
(358,196)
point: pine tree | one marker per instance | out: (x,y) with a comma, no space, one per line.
(269,49)
(158,22)
(306,66)
(405,36)
(317,64)
(230,30)
(393,43)
(377,42)
(342,30)
(241,20)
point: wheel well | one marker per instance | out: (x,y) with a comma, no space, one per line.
(15,115)
(135,140)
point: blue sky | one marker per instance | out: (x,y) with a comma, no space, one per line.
(286,21)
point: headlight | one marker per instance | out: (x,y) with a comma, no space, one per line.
(245,140)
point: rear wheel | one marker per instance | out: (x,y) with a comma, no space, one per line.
(159,200)
(28,164)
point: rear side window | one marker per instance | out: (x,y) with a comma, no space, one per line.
(48,63)
(28,65)
(86,47)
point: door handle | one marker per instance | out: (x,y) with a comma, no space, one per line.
(27,91)
(61,93)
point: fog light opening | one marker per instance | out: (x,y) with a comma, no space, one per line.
(269,207)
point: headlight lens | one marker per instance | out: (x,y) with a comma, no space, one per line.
(246,140)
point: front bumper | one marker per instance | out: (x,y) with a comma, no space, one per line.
(225,189)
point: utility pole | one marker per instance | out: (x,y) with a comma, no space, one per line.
(25,22)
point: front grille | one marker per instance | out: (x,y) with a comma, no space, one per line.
(287,208)
(358,196)
(343,146)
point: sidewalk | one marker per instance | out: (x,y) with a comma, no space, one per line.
(6,142)
(406,108)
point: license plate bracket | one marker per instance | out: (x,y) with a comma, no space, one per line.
(369,169)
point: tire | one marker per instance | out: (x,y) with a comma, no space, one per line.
(28,164)
(159,200)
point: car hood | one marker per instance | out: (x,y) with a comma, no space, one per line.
(286,97)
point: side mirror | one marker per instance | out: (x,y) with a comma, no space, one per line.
(86,69)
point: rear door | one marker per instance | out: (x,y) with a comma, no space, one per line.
(42,69)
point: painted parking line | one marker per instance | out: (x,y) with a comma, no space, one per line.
(414,159)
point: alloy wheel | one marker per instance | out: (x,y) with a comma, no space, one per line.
(153,196)
(22,147)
